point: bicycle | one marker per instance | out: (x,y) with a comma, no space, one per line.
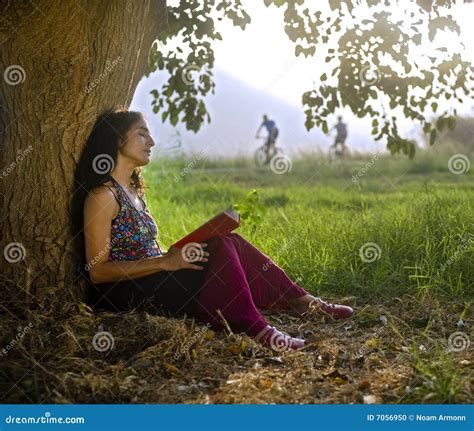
(262,154)
(337,153)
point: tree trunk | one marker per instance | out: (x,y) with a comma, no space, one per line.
(63,62)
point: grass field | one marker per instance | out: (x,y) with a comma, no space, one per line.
(318,219)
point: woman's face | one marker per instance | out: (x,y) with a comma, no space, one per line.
(137,147)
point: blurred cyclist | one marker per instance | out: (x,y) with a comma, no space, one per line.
(341,136)
(270,143)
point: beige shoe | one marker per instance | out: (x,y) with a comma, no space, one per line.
(277,340)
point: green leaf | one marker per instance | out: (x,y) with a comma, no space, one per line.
(451,122)
(441,123)
(411,150)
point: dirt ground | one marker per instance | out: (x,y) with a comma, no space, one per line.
(397,350)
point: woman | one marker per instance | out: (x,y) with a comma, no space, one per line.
(128,269)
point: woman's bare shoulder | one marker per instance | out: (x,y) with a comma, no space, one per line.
(107,188)
(103,196)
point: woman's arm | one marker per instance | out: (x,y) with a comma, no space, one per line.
(100,207)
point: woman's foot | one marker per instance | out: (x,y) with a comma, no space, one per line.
(311,303)
(276,340)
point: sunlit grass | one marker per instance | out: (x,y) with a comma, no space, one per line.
(315,219)
(436,377)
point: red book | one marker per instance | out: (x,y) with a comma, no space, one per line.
(220,225)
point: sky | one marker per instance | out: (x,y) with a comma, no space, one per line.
(263,55)
(262,58)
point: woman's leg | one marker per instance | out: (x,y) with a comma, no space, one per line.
(271,287)
(172,293)
(269,284)
(226,289)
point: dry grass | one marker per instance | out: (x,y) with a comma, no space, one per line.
(160,360)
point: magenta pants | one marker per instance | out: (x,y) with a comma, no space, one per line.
(239,279)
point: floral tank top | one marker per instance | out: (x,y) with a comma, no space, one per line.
(133,232)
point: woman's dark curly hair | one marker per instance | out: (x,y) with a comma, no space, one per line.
(97,160)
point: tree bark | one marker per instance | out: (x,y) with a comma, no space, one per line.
(63,62)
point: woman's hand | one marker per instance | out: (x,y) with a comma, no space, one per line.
(184,258)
